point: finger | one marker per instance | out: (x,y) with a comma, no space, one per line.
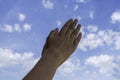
(71,28)
(53,33)
(75,32)
(77,40)
(65,27)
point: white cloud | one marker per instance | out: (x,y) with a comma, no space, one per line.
(115,17)
(48,4)
(105,63)
(58,23)
(94,38)
(7,28)
(9,58)
(91,15)
(17,28)
(28,60)
(82,1)
(117,69)
(79,18)
(27,27)
(94,68)
(117,42)
(92,28)
(69,67)
(21,17)
(76,7)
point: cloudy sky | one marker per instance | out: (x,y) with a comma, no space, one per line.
(25,24)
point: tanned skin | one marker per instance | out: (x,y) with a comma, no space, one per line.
(58,48)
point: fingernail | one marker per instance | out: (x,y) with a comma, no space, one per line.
(56,28)
(75,20)
(79,25)
(71,19)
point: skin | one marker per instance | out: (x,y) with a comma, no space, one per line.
(58,48)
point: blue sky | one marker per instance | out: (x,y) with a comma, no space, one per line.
(25,24)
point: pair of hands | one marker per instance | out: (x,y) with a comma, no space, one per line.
(61,44)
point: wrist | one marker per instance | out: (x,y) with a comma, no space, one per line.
(50,58)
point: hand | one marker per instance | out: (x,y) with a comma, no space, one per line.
(58,47)
(61,44)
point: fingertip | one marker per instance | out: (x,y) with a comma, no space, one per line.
(71,19)
(56,29)
(79,25)
(76,20)
(68,23)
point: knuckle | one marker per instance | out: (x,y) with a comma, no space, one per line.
(66,25)
(75,32)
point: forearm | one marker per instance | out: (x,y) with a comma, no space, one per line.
(58,48)
(44,69)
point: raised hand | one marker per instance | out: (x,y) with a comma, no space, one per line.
(61,44)
(58,47)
